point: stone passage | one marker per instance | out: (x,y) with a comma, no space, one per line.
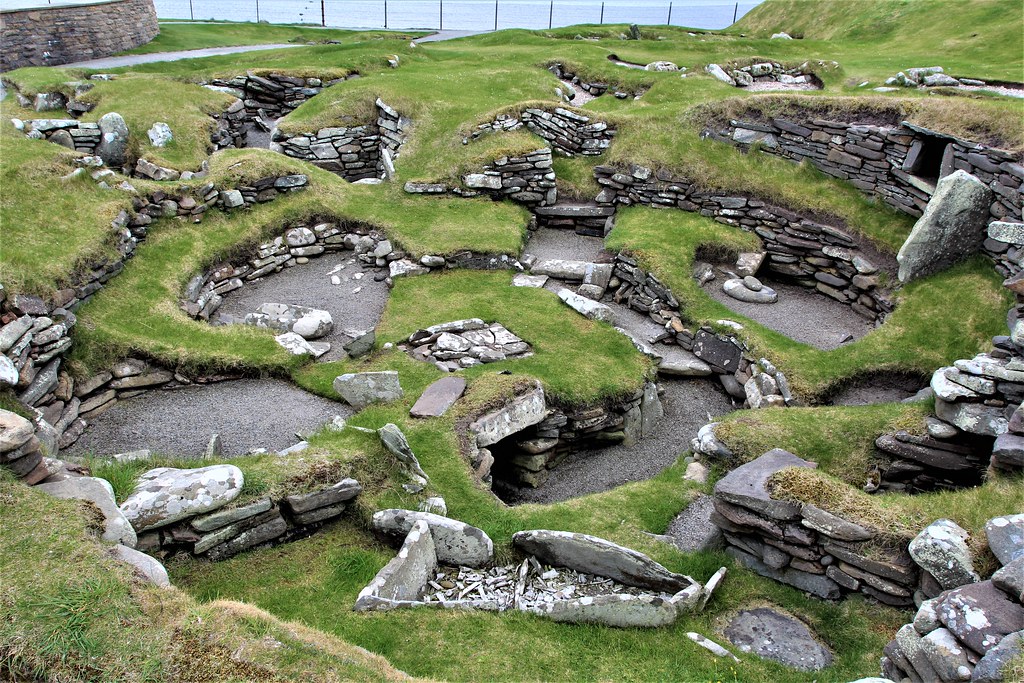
(356,152)
(48,36)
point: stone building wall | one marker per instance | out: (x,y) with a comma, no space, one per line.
(353,152)
(900,163)
(527,179)
(807,252)
(568,132)
(48,36)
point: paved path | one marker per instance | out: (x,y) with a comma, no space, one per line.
(132,60)
(448,35)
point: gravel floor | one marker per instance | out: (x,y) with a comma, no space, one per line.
(309,284)
(801,314)
(688,404)
(246,413)
(692,529)
(881,388)
(551,243)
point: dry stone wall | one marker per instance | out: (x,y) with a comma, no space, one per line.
(802,545)
(899,163)
(48,36)
(353,152)
(809,253)
(35,335)
(527,179)
(568,132)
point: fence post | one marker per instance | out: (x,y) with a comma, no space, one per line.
(191,14)
(440,15)
(670,14)
(602,14)
(551,13)
(257,11)
(323,14)
(495,15)
(735,11)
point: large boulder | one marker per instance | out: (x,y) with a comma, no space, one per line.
(942,551)
(980,615)
(1006,537)
(145,566)
(99,492)
(113,146)
(593,555)
(746,485)
(990,668)
(166,494)
(360,389)
(456,543)
(951,229)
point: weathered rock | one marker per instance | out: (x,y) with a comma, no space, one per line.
(160,134)
(946,655)
(296,345)
(523,411)
(99,492)
(1009,449)
(439,397)
(308,323)
(406,268)
(361,344)
(146,566)
(738,289)
(165,495)
(951,229)
(941,549)
(910,645)
(684,364)
(404,578)
(990,668)
(832,526)
(815,584)
(618,610)
(396,443)
(588,308)
(717,350)
(781,638)
(593,555)
(8,372)
(364,388)
(980,615)
(745,485)
(1006,537)
(223,518)
(719,73)
(345,490)
(434,505)
(113,146)
(976,418)
(455,542)
(14,431)
(1010,579)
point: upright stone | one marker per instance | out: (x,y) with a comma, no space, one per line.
(113,147)
(951,229)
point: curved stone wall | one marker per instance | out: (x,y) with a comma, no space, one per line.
(48,36)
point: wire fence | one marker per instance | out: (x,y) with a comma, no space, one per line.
(459,15)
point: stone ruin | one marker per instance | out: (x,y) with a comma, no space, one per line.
(462,344)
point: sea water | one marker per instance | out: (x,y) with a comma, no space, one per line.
(460,15)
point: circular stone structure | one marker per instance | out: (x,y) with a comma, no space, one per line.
(40,34)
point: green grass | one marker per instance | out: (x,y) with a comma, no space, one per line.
(182,35)
(918,336)
(51,228)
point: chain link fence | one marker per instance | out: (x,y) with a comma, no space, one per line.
(459,15)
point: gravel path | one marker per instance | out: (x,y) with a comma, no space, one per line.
(801,314)
(552,243)
(880,388)
(692,529)
(688,404)
(309,284)
(132,60)
(246,413)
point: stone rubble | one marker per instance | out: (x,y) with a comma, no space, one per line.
(462,344)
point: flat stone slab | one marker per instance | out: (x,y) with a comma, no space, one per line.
(1006,537)
(524,280)
(523,411)
(361,389)
(455,542)
(778,637)
(99,492)
(594,555)
(148,567)
(403,579)
(737,289)
(620,610)
(588,308)
(439,397)
(980,615)
(165,495)
(745,485)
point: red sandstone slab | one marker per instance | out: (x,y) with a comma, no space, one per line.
(439,397)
